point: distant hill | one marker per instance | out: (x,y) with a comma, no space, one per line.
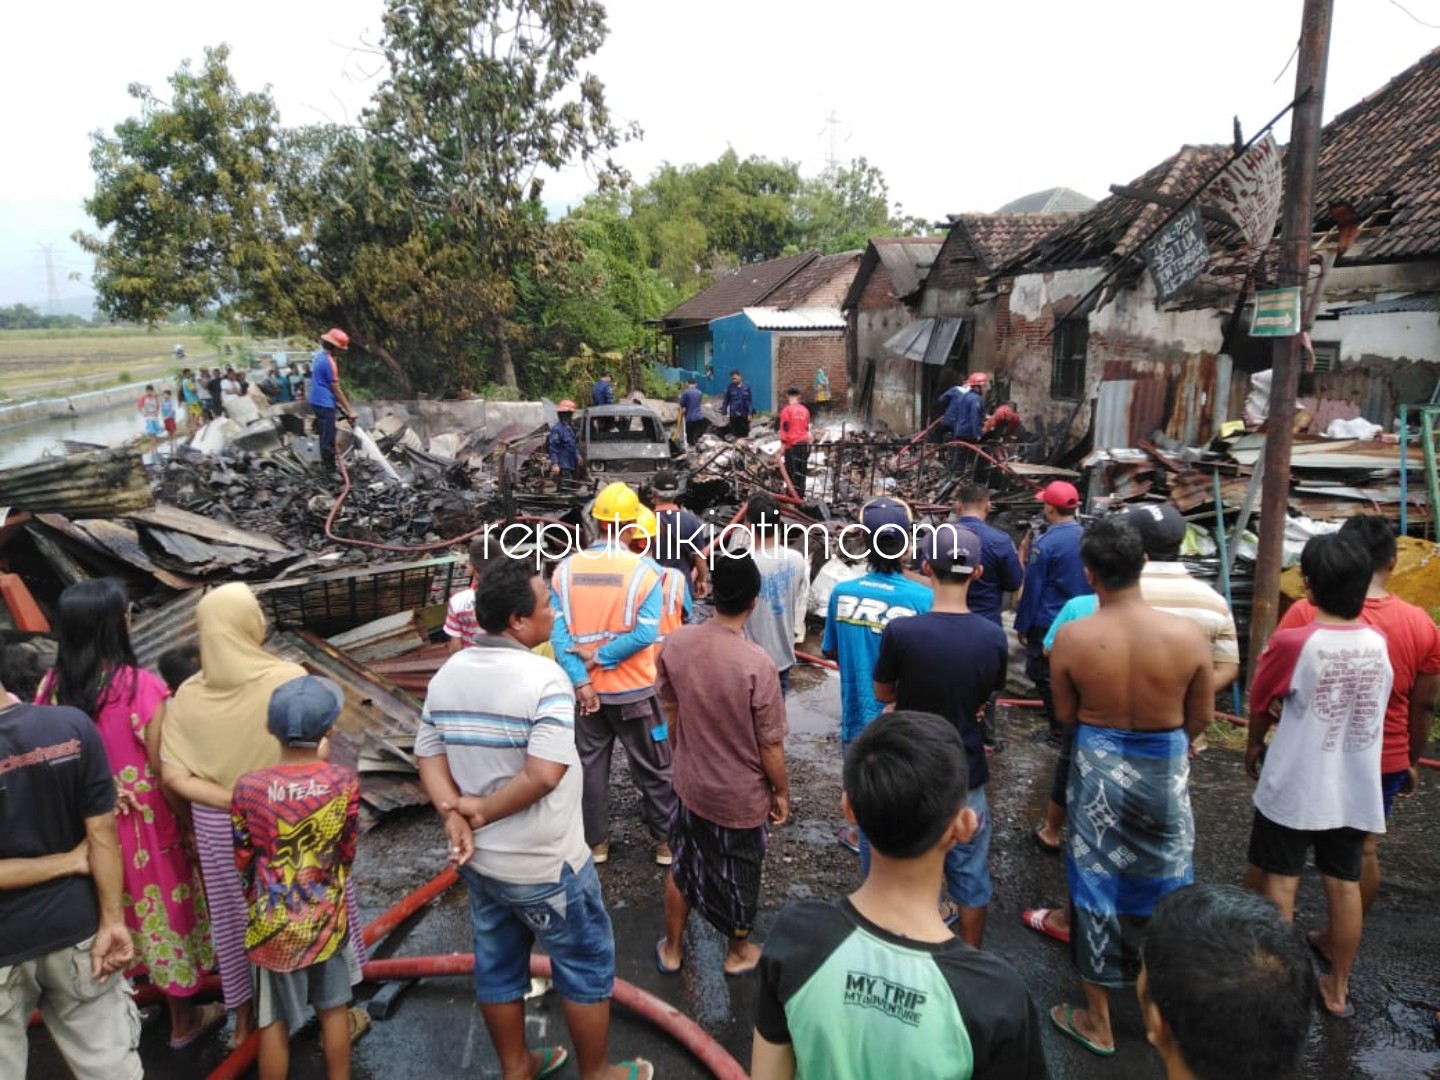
(84,306)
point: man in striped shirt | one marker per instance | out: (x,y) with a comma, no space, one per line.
(500,720)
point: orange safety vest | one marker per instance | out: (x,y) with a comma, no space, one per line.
(672,601)
(600,592)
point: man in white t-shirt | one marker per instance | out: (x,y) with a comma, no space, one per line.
(499,719)
(778,622)
(1321,784)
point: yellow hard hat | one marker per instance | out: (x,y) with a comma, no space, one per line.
(645,523)
(616,502)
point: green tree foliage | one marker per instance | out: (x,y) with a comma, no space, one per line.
(841,209)
(25,317)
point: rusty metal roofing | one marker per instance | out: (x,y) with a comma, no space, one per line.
(1399,305)
(906,259)
(734,290)
(805,318)
(1382,158)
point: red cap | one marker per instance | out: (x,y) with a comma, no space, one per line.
(1060,494)
(337,337)
(977,379)
(565,406)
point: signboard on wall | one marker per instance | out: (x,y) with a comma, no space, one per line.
(1250,191)
(1179,254)
(1277,313)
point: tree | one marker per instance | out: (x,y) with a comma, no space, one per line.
(481,95)
(843,208)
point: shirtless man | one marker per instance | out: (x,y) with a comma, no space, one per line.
(1138,685)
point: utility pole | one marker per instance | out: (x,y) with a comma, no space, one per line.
(1298,219)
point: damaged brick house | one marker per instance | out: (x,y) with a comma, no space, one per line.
(884,341)
(776,321)
(1112,366)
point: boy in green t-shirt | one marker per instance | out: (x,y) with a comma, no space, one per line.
(877,984)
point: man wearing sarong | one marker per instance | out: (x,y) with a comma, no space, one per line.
(722,696)
(1137,685)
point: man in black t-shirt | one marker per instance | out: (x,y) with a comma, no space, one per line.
(877,985)
(681,537)
(949,661)
(63,939)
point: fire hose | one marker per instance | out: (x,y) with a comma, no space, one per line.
(647,1006)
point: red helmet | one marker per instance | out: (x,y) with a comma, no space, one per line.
(565,406)
(337,337)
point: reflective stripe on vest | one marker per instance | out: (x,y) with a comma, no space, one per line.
(672,603)
(601,592)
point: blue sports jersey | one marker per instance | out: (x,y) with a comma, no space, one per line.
(858,613)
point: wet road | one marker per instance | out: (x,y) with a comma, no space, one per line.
(436,1030)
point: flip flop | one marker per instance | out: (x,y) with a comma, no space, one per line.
(660,964)
(950,912)
(359,1023)
(640,1069)
(552,1060)
(1048,849)
(1034,918)
(740,972)
(849,838)
(211,1017)
(1069,1029)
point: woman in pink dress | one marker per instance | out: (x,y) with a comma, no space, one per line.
(95,671)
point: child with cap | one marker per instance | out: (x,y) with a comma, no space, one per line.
(295,829)
(948,661)
(859,610)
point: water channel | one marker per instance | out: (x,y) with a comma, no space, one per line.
(21,444)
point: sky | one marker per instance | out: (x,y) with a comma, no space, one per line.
(963,104)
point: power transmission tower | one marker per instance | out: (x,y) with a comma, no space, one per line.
(52,288)
(831,131)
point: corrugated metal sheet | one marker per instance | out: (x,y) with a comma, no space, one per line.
(942,340)
(1129,411)
(1397,306)
(805,318)
(911,341)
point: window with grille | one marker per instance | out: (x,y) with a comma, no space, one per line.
(1067,369)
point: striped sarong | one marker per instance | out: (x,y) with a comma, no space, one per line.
(1131,841)
(717,870)
(215,844)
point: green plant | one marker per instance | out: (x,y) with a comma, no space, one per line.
(124,377)
(498,392)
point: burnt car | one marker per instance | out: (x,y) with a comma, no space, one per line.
(623,442)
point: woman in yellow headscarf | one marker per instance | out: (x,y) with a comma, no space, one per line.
(214,733)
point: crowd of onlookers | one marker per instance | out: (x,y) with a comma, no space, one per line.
(163,826)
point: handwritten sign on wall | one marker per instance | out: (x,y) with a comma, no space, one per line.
(1179,254)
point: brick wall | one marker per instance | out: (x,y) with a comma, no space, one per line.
(797,358)
(877,292)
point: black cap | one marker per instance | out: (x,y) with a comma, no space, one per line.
(665,483)
(303,710)
(1161,528)
(735,581)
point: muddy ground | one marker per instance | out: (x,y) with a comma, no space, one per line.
(435,1030)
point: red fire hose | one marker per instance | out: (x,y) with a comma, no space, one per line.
(647,1006)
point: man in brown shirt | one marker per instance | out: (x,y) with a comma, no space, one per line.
(727,718)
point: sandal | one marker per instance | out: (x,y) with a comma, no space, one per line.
(211,1017)
(1035,919)
(359,1023)
(1067,1028)
(640,1069)
(552,1060)
(1045,846)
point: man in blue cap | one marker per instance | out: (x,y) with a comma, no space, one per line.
(948,661)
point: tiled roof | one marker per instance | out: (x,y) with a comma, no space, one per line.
(1116,226)
(735,290)
(1382,157)
(977,243)
(822,283)
(1052,200)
